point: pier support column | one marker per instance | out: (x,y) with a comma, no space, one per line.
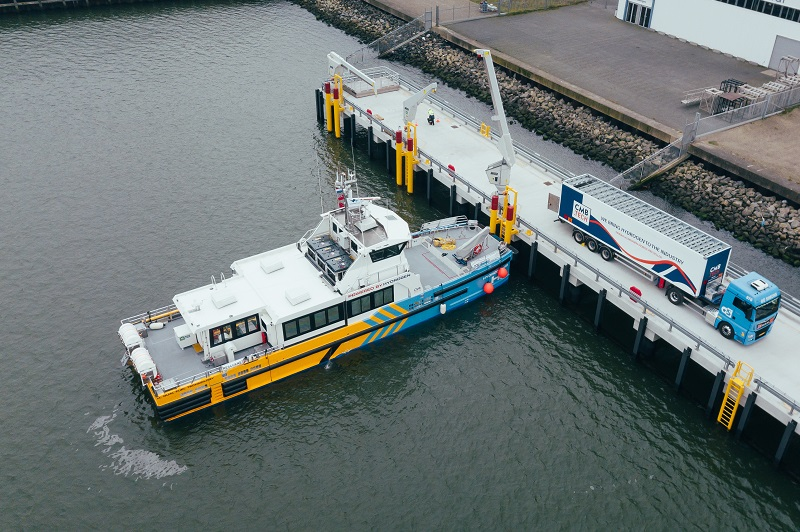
(598,312)
(477,209)
(388,159)
(369,143)
(748,407)
(352,121)
(430,179)
(787,434)
(687,353)
(452,200)
(712,399)
(318,99)
(564,282)
(532,259)
(639,337)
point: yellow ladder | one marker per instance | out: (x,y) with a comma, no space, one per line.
(740,380)
(216,394)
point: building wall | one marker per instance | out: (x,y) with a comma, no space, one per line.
(730,29)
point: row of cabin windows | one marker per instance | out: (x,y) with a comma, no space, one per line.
(329,316)
(371,301)
(768,8)
(312,322)
(385,253)
(235,329)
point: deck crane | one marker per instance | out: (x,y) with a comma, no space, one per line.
(411,104)
(334,89)
(499,173)
(408,148)
(337,66)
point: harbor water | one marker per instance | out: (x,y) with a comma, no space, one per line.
(143,148)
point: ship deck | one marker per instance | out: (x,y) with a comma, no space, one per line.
(456,140)
(435,265)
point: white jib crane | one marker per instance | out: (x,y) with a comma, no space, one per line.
(411,104)
(337,66)
(499,173)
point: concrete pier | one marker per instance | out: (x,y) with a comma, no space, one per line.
(655,325)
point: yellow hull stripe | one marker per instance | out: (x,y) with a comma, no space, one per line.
(312,352)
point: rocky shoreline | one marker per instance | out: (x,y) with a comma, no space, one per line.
(767,222)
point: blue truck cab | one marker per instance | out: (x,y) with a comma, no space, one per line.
(748,309)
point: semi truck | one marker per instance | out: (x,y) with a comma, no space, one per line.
(685,261)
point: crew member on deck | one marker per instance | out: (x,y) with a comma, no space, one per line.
(431,117)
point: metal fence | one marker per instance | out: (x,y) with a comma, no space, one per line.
(459,13)
(771,104)
(521,6)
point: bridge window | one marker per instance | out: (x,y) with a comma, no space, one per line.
(385,253)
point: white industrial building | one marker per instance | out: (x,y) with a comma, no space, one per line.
(760,31)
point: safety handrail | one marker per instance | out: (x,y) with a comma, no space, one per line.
(138,318)
(191,379)
(699,342)
(533,157)
(761,383)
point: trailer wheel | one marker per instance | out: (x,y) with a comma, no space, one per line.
(592,244)
(726,330)
(675,296)
(607,254)
(578,236)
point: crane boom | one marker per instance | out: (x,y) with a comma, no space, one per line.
(337,65)
(499,173)
(411,104)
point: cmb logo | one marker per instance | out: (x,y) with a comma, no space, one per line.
(581,212)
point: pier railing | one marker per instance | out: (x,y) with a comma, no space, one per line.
(560,173)
(536,235)
(647,308)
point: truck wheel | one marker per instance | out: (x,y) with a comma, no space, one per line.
(726,330)
(578,236)
(592,244)
(675,296)
(607,254)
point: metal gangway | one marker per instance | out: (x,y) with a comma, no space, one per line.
(392,40)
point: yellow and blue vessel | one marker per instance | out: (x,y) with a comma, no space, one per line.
(358,277)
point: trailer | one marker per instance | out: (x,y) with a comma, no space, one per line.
(685,261)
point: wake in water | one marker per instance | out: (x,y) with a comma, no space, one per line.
(138,463)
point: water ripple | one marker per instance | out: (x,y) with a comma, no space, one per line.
(136,463)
